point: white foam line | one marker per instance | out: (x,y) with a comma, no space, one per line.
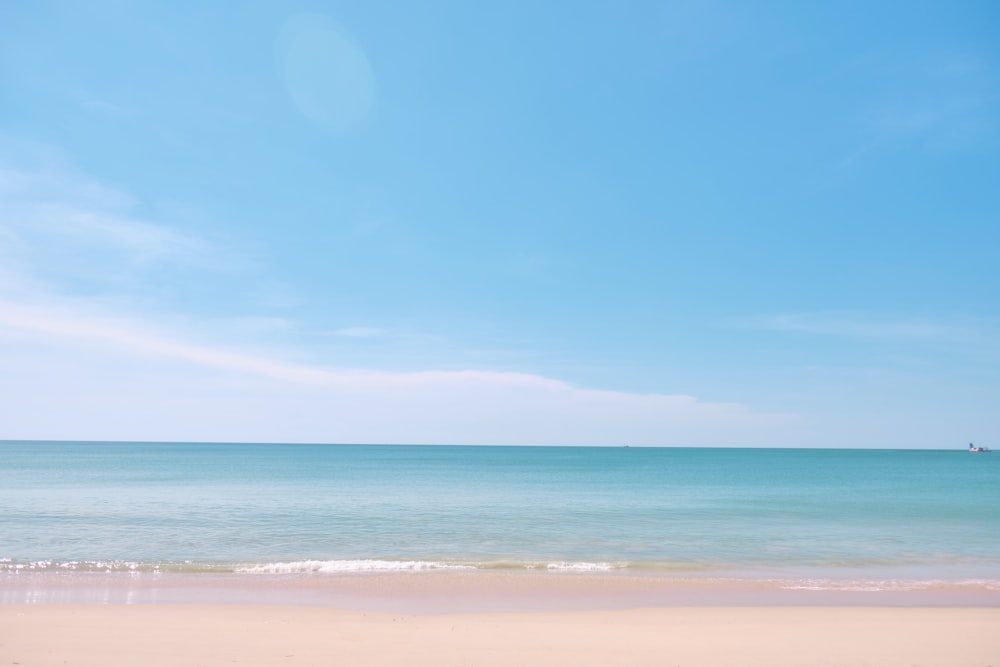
(332,566)
(582,566)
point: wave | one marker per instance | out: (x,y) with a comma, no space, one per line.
(369,565)
(563,566)
(8,565)
(883,585)
(337,566)
(361,566)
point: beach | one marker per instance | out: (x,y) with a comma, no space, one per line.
(483,619)
(179,554)
(205,634)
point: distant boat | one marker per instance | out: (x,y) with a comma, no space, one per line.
(978,450)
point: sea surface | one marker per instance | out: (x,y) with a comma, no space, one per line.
(806,517)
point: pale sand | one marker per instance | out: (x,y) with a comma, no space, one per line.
(203,634)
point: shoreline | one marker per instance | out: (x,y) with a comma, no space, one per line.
(484,591)
(114,635)
(486,619)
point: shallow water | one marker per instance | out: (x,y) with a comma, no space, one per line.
(810,518)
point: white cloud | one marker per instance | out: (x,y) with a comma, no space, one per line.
(98,367)
(63,325)
(106,377)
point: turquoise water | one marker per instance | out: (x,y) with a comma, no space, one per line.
(858,514)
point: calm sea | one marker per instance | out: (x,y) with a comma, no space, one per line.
(805,515)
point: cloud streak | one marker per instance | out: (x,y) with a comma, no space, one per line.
(92,367)
(858,326)
(67,326)
(255,397)
(948,99)
(59,226)
(359,332)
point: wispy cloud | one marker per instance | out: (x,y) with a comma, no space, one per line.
(63,325)
(77,257)
(141,240)
(947,100)
(50,208)
(52,350)
(359,332)
(861,326)
(65,234)
(94,103)
(941,102)
(33,172)
(112,370)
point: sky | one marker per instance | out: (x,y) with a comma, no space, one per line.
(592,223)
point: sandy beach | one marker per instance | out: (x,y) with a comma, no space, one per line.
(204,634)
(262,555)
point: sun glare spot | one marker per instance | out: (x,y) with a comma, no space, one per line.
(327,74)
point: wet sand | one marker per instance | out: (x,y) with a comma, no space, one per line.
(482,591)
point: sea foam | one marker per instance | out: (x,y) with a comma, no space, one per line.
(341,566)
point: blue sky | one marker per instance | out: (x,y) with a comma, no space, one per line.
(660,223)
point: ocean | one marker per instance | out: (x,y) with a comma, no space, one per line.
(804,517)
